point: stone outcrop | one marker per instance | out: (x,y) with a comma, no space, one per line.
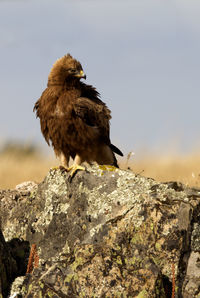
(104,233)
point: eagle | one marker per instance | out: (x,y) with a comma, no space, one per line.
(73,118)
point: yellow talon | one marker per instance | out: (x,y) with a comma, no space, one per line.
(55,168)
(74,169)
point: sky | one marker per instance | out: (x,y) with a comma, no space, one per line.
(143,56)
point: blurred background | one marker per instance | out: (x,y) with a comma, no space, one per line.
(141,55)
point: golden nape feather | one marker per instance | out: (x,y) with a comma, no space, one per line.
(73,118)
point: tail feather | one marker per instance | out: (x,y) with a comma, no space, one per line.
(116,150)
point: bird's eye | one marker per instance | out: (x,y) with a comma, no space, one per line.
(72,70)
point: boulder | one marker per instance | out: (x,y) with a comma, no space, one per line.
(105,233)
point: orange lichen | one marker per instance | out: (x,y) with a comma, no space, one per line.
(33,260)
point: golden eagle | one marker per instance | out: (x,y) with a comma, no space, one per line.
(73,118)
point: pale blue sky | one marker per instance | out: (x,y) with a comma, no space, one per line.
(143,56)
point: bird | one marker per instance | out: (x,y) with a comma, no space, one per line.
(73,118)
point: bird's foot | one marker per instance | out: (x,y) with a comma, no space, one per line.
(73,169)
(61,168)
(54,168)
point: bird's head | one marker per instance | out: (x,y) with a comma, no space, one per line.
(66,69)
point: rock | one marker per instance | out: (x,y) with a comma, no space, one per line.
(13,262)
(8,267)
(105,233)
(16,290)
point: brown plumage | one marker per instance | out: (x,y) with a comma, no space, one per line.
(73,118)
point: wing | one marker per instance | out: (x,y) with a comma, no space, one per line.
(44,108)
(95,115)
(90,92)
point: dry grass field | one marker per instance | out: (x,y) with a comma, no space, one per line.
(183,168)
(18,166)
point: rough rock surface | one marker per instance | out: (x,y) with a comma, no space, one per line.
(106,233)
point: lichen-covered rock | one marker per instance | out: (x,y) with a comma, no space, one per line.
(192,278)
(106,233)
(16,289)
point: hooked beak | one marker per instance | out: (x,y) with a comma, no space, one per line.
(80,75)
